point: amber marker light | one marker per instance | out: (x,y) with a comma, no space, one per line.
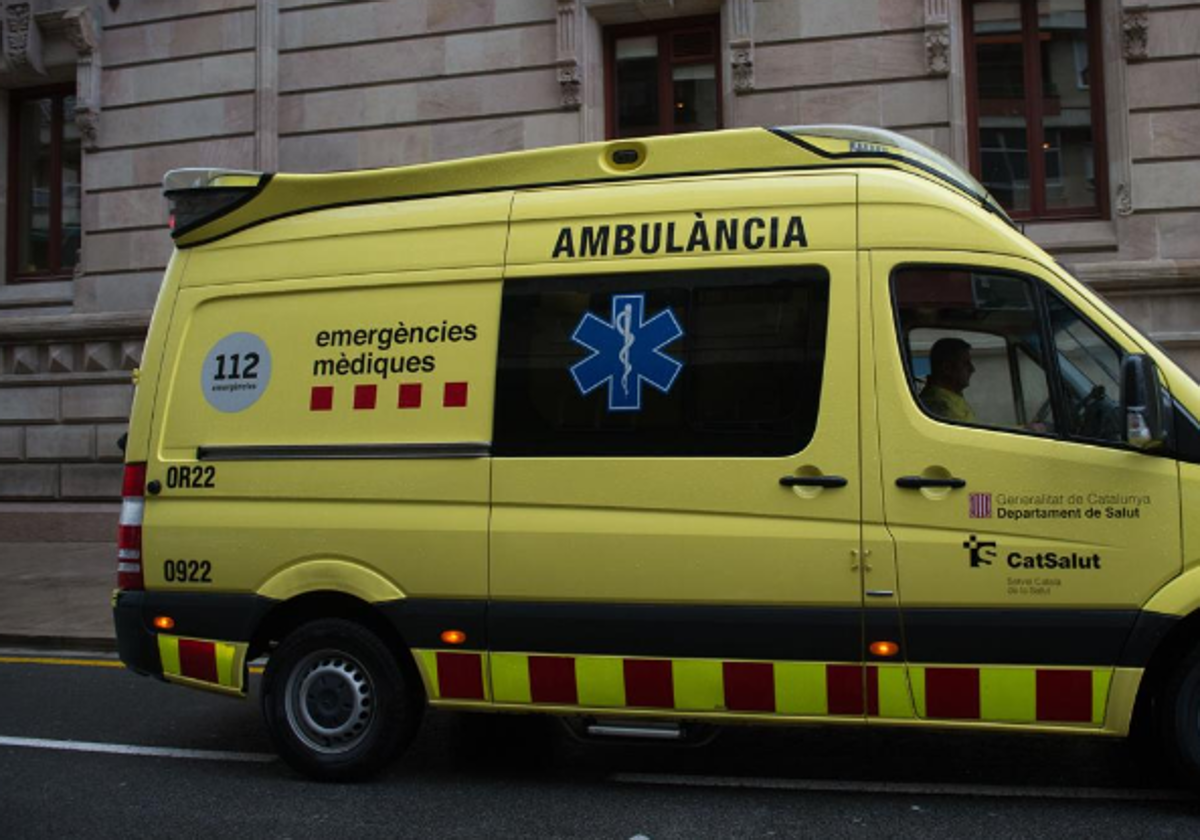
(885,648)
(164,622)
(453,637)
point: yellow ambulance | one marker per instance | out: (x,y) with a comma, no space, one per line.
(764,425)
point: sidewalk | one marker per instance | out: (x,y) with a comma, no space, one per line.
(57,594)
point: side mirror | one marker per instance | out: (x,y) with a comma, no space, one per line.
(1142,401)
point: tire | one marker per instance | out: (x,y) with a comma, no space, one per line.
(1179,719)
(337,703)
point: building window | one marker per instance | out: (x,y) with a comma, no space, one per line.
(1035,103)
(44,192)
(663,78)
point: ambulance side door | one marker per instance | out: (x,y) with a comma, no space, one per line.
(1027,533)
(676,488)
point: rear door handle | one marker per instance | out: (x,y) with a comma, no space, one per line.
(916,482)
(813,481)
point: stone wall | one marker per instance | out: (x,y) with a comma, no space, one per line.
(65,394)
(318,85)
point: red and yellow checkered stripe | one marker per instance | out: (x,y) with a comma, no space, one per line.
(1002,694)
(1012,694)
(204,663)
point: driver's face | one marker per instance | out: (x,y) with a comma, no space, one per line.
(958,372)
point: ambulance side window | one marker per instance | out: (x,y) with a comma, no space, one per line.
(699,363)
(1090,366)
(972,343)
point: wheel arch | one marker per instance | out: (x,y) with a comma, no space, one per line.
(1182,638)
(287,616)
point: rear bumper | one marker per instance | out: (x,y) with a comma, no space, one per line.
(137,645)
(221,622)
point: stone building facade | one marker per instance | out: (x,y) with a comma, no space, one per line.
(312,85)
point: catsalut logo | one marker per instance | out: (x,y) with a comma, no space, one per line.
(984,552)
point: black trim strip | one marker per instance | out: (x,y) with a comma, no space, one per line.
(535,185)
(1147,634)
(223,616)
(820,634)
(250,195)
(1069,637)
(883,624)
(421,621)
(1019,636)
(331,452)
(924,167)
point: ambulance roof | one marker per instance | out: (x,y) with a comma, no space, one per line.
(251,198)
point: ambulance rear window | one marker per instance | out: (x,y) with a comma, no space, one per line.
(713,363)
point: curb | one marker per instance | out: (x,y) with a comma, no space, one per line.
(83,644)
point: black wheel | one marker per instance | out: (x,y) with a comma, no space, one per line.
(336,701)
(1179,719)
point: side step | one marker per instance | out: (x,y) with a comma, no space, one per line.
(657,731)
(616,730)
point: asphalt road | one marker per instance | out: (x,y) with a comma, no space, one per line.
(93,751)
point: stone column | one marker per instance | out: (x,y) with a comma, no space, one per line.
(266,88)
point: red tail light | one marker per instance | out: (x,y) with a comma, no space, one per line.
(129,531)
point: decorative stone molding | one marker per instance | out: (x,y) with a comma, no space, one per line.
(1135,23)
(22,38)
(1124,200)
(656,8)
(937,50)
(570,84)
(570,72)
(25,360)
(26,30)
(741,44)
(61,358)
(46,361)
(43,349)
(1141,277)
(80,29)
(937,37)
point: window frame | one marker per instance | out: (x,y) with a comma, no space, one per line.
(1041,292)
(58,94)
(1035,130)
(663,30)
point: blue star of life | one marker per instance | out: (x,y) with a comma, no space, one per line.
(626,351)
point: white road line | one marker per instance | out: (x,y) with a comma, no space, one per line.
(905,788)
(130,749)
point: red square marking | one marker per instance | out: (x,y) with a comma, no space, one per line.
(952,693)
(648,683)
(460,675)
(1064,695)
(455,395)
(321,399)
(410,395)
(364,396)
(749,686)
(198,660)
(844,689)
(552,680)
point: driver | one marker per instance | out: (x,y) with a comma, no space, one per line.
(950,372)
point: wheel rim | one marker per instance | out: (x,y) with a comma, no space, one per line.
(330,702)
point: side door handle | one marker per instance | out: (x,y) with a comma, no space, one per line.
(813,481)
(916,482)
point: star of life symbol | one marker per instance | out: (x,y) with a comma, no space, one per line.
(626,351)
